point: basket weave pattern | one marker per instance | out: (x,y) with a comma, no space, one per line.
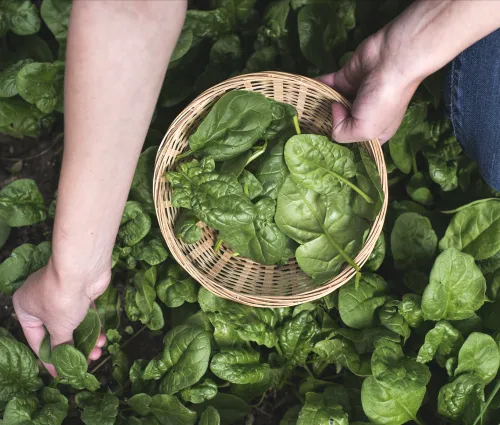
(237,278)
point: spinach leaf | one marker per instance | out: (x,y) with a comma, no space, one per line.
(368,180)
(319,409)
(168,410)
(418,189)
(22,204)
(377,256)
(18,370)
(456,288)
(342,353)
(186,228)
(251,186)
(8,78)
(87,333)
(108,308)
(413,242)
(357,304)
(176,287)
(200,392)
(71,365)
(97,408)
(135,224)
(19,16)
(210,417)
(239,366)
(233,125)
(442,342)
(475,230)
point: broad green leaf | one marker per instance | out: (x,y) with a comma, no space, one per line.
(329,232)
(176,287)
(97,409)
(71,365)
(19,118)
(291,416)
(8,78)
(108,308)
(296,338)
(18,370)
(183,45)
(140,403)
(475,230)
(441,342)
(41,84)
(87,333)
(185,358)
(210,417)
(366,340)
(51,409)
(456,289)
(4,232)
(23,261)
(272,170)
(168,410)
(55,14)
(121,366)
(135,224)
(232,126)
(368,180)
(19,16)
(377,256)
(389,408)
(139,384)
(21,203)
(200,392)
(357,305)
(186,228)
(319,409)
(239,366)
(151,249)
(410,308)
(231,409)
(342,353)
(458,397)
(413,242)
(479,356)
(145,282)
(251,186)
(392,319)
(418,189)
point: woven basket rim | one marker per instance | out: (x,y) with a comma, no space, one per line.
(270,300)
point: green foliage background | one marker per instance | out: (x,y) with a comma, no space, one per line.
(415,341)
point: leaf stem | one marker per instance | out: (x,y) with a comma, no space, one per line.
(471,204)
(278,349)
(308,371)
(218,244)
(296,124)
(183,155)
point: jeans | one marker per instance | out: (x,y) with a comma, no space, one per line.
(472,99)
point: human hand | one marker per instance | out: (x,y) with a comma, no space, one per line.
(380,87)
(55,302)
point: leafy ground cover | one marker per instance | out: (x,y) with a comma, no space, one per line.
(416,341)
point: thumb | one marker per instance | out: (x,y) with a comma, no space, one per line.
(346,128)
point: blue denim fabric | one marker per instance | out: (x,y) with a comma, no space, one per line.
(472,98)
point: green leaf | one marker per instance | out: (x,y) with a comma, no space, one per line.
(176,287)
(342,353)
(185,358)
(456,398)
(4,232)
(475,230)
(392,319)
(377,256)
(108,308)
(142,184)
(357,305)
(231,409)
(52,409)
(121,366)
(291,416)
(19,16)
(251,186)
(296,338)
(479,356)
(456,289)
(318,409)
(186,228)
(441,342)
(21,203)
(233,125)
(87,333)
(145,281)
(8,78)
(71,365)
(97,409)
(210,417)
(239,366)
(140,403)
(41,84)
(168,410)
(183,45)
(18,370)
(18,118)
(135,224)
(201,392)
(23,261)
(413,242)
(418,189)
(368,180)
(410,308)
(55,14)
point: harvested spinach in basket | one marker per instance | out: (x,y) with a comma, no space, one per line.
(273,193)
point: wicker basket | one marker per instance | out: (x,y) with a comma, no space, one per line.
(237,278)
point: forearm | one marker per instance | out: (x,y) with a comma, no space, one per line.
(117,56)
(430,33)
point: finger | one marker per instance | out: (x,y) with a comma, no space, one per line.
(61,335)
(346,128)
(95,354)
(101,341)
(34,335)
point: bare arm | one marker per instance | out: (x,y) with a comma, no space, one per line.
(387,68)
(117,56)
